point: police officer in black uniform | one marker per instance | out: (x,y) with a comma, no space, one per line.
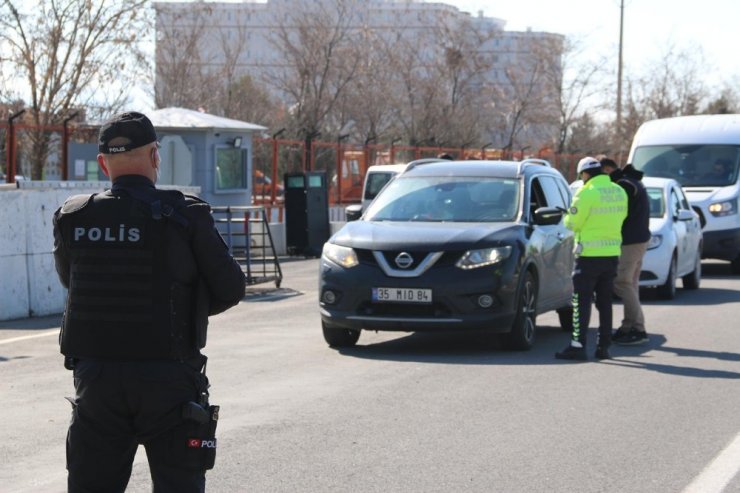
(144,268)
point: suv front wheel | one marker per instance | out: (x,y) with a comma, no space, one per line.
(522,332)
(340,336)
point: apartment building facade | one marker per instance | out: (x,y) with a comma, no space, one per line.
(232,39)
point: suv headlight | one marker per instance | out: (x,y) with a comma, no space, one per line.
(472,259)
(344,256)
(655,241)
(726,208)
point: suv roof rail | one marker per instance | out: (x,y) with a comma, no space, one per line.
(529,161)
(417,162)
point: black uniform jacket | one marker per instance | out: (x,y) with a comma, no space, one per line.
(189,254)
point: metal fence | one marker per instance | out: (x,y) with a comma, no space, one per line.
(22,144)
(344,163)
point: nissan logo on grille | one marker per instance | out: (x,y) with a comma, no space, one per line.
(404,260)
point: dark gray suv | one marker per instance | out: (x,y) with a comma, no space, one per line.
(453,245)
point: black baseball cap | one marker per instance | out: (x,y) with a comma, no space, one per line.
(135,127)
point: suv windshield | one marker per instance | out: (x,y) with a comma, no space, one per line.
(690,165)
(445,198)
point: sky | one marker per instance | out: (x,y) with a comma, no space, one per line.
(649,27)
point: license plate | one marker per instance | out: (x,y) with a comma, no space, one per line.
(402,295)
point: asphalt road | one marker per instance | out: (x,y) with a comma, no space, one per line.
(424,412)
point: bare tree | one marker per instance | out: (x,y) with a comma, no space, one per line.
(367,102)
(200,65)
(232,43)
(590,137)
(414,95)
(435,82)
(728,99)
(525,106)
(575,86)
(671,86)
(181,36)
(461,65)
(317,44)
(674,86)
(70,54)
(247,100)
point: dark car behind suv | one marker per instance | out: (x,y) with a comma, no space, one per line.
(453,245)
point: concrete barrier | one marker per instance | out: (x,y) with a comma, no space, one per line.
(29,285)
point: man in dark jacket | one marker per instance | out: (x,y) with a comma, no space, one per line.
(635,238)
(144,268)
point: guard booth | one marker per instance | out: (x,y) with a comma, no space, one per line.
(306,213)
(197,150)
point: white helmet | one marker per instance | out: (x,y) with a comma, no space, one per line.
(587,163)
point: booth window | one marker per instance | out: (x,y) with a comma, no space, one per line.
(231,168)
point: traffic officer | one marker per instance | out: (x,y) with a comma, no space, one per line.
(596,214)
(635,238)
(144,268)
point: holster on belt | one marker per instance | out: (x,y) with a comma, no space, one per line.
(201,435)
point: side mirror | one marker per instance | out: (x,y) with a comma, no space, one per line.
(546,216)
(685,215)
(353,212)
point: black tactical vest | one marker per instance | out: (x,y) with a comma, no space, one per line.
(122,301)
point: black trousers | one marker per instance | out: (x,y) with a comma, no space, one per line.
(593,275)
(119,405)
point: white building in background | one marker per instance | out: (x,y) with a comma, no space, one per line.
(248,26)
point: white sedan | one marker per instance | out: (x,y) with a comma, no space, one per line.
(675,246)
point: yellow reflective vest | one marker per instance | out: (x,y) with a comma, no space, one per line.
(596,215)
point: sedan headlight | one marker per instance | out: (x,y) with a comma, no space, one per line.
(726,208)
(472,259)
(655,241)
(344,256)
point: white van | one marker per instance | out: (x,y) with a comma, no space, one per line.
(702,153)
(376,178)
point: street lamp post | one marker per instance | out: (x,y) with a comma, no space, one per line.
(65,145)
(340,138)
(10,168)
(393,149)
(366,153)
(273,194)
(309,150)
(483,150)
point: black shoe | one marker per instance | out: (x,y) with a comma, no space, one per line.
(633,338)
(572,353)
(602,353)
(620,334)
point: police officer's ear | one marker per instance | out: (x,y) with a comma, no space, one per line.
(154,155)
(103,166)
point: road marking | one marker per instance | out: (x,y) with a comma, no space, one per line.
(34,336)
(718,474)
